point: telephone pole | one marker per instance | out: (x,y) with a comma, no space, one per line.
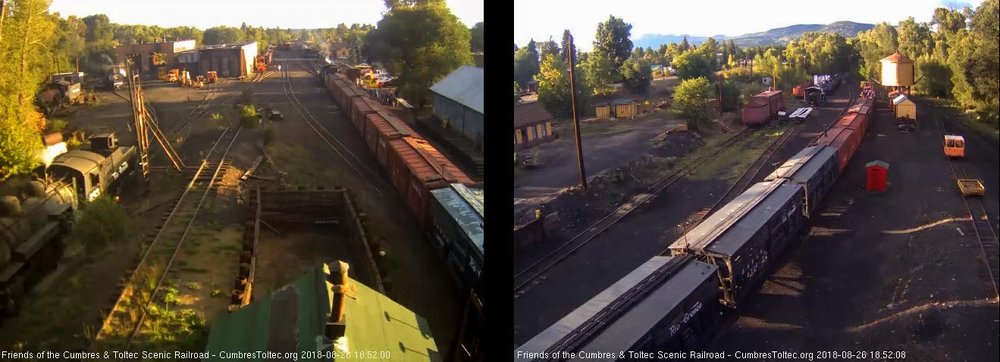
(571,54)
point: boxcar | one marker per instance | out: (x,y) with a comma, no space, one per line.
(667,304)
(755,112)
(815,169)
(845,140)
(457,231)
(415,168)
(774,100)
(360,106)
(380,128)
(755,229)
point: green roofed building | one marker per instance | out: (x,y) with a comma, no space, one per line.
(324,310)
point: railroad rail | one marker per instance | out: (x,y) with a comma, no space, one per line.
(356,164)
(751,173)
(525,278)
(201,109)
(125,319)
(982,228)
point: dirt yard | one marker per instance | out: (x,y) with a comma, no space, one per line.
(898,271)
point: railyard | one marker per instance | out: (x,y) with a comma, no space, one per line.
(926,270)
(187,242)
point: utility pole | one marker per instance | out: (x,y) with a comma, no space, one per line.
(576,121)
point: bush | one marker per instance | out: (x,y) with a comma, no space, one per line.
(102,222)
(57,125)
(249,115)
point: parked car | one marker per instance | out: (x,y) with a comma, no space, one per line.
(276,115)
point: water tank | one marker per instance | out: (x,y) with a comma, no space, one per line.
(897,70)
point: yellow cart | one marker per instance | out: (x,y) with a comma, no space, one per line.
(971,187)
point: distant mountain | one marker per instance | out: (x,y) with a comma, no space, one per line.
(771,37)
(654,40)
(784,35)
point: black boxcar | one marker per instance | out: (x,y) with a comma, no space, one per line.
(815,168)
(667,304)
(758,225)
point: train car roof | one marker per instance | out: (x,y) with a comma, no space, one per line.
(804,164)
(463,211)
(79,160)
(579,316)
(733,238)
(635,324)
(713,227)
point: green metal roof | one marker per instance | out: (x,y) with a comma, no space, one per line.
(292,319)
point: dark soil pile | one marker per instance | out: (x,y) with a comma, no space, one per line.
(611,188)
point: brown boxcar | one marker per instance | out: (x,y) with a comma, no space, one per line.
(416,168)
(360,107)
(382,127)
(755,113)
(774,100)
(845,140)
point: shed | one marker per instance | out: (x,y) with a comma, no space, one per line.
(532,124)
(602,110)
(878,174)
(897,70)
(295,318)
(625,108)
(458,100)
(905,108)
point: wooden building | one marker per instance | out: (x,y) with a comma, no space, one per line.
(625,108)
(532,125)
(904,108)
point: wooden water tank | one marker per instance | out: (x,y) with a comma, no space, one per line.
(897,70)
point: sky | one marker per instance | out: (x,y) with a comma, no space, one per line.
(205,14)
(541,19)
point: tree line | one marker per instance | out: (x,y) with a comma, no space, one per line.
(955,57)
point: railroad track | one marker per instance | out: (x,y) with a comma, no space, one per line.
(754,170)
(138,292)
(528,277)
(201,109)
(751,173)
(356,164)
(982,227)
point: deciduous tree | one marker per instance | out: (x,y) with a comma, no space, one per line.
(421,41)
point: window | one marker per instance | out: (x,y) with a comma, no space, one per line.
(95,181)
(531,133)
(542,131)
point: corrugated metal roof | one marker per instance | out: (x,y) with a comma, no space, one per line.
(554,333)
(900,99)
(631,327)
(463,212)
(623,101)
(464,85)
(293,317)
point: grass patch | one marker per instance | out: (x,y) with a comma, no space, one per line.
(730,164)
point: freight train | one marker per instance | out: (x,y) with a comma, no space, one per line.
(421,176)
(673,303)
(413,165)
